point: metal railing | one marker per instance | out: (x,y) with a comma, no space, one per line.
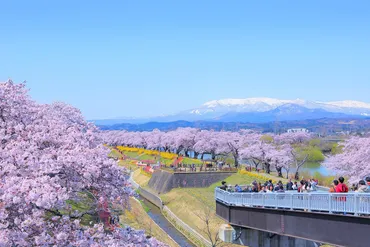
(351,203)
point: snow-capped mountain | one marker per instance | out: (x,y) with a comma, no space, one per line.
(216,107)
(257,110)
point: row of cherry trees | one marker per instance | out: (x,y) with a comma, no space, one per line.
(50,154)
(278,151)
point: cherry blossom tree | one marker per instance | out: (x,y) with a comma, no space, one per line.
(353,162)
(49,157)
(281,158)
(185,140)
(206,142)
(258,152)
(294,143)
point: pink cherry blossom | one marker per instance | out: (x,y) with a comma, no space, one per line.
(50,154)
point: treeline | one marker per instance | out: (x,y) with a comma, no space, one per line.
(283,152)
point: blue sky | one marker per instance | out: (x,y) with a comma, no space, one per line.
(139,58)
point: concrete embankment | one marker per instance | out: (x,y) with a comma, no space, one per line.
(164,181)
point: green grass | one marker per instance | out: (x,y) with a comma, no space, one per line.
(146,157)
(206,195)
(131,155)
(145,207)
(114,154)
(189,161)
(128,165)
(167,162)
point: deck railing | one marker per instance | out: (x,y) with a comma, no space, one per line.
(351,203)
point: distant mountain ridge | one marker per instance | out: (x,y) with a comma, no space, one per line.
(258,110)
(324,126)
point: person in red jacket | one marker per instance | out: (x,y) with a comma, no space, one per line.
(342,187)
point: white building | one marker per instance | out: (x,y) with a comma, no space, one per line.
(296,130)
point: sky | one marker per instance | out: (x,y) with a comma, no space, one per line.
(145,58)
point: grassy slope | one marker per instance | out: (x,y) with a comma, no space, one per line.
(139,219)
(188,203)
(191,161)
(140,178)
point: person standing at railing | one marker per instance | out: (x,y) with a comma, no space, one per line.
(270,189)
(238,188)
(259,187)
(368,184)
(362,187)
(223,186)
(300,188)
(342,187)
(332,188)
(313,184)
(335,183)
(263,190)
(281,189)
(289,185)
(295,186)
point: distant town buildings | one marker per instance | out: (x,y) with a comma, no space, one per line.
(296,130)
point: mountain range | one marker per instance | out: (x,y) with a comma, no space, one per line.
(257,110)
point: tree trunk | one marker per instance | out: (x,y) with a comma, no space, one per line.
(213,156)
(296,176)
(278,169)
(256,164)
(201,157)
(267,168)
(196,154)
(236,159)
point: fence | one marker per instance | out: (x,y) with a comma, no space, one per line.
(352,203)
(133,183)
(186,229)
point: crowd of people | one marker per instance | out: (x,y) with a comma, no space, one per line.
(338,186)
(269,187)
(304,186)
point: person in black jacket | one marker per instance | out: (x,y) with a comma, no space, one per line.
(223,186)
(289,185)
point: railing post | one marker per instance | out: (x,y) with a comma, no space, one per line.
(263,199)
(291,201)
(356,199)
(330,203)
(309,202)
(276,200)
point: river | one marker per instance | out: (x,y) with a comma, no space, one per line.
(157,217)
(313,167)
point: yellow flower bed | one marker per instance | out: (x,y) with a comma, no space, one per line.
(127,149)
(164,155)
(256,176)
